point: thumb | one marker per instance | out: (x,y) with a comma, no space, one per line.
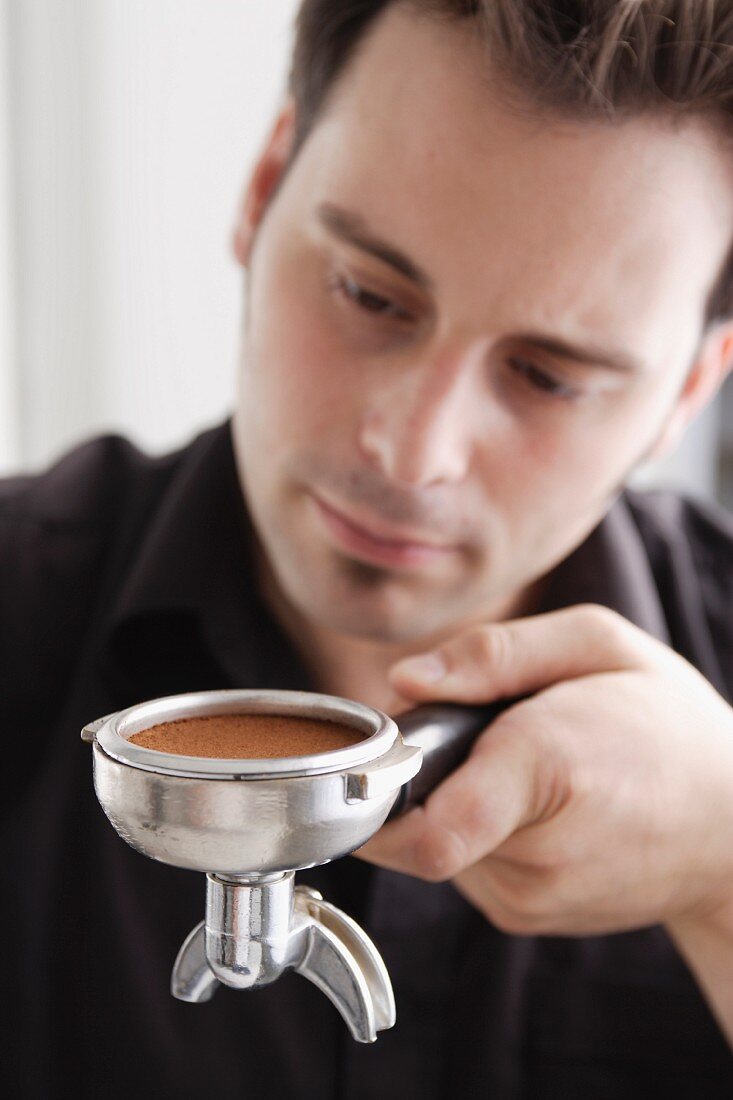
(497,660)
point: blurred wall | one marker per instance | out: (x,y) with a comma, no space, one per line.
(10,442)
(126,130)
(130,126)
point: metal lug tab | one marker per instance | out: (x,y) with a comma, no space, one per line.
(90,731)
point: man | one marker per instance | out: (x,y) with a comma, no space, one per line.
(487,274)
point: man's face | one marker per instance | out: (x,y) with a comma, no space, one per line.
(476,409)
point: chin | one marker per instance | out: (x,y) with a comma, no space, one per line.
(364,601)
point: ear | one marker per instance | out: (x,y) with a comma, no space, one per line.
(266,174)
(712,364)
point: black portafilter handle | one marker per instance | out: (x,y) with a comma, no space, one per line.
(445,732)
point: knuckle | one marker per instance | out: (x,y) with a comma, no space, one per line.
(601,618)
(440,855)
(524,904)
(517,922)
(487,646)
(508,922)
(543,858)
(607,627)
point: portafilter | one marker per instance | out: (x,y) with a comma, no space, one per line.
(250,824)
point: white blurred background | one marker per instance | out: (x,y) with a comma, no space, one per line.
(127,128)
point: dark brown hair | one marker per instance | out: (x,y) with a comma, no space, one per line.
(590,59)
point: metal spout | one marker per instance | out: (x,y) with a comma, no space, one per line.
(345,965)
(258,927)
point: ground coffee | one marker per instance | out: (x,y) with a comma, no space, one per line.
(246,736)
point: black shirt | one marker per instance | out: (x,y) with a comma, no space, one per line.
(125,577)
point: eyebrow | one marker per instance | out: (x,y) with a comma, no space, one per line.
(352,228)
(349,226)
(592,355)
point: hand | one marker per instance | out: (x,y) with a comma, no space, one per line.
(603,802)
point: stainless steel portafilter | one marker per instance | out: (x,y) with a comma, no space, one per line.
(249,825)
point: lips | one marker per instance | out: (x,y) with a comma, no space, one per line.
(375,545)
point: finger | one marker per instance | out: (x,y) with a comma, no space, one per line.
(492,794)
(393,844)
(500,660)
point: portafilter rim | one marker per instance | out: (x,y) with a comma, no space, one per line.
(112,736)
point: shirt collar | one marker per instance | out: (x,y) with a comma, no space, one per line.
(196,558)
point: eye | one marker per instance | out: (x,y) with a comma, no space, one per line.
(540,379)
(368,300)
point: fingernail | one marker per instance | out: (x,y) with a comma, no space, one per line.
(429,668)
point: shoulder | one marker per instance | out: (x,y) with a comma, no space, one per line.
(669,521)
(85,485)
(59,526)
(63,533)
(689,544)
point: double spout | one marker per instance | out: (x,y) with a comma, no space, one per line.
(256,929)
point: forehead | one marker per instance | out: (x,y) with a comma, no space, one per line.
(600,226)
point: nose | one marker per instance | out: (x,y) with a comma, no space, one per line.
(417,427)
